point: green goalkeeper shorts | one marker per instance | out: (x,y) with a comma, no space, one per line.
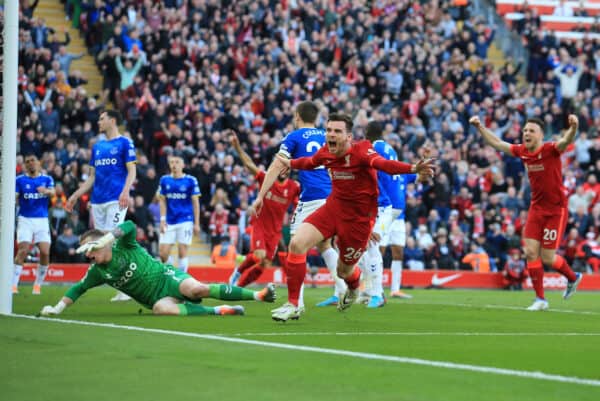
(170,288)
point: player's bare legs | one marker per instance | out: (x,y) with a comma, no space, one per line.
(42,269)
(182,252)
(537,258)
(350,273)
(397,258)
(558,263)
(330,256)
(164,250)
(252,267)
(22,251)
(174,307)
(305,238)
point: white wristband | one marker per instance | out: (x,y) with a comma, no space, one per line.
(60,306)
(163,218)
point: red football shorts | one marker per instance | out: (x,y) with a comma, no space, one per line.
(260,239)
(547,227)
(353,232)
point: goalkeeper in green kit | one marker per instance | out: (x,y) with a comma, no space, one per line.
(119,261)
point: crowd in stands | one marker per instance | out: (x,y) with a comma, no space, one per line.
(183,72)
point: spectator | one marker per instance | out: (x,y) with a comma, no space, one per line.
(224,254)
(477,259)
(66,244)
(514,272)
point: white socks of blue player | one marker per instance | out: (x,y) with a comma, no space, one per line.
(396,275)
(41,275)
(301,297)
(183,264)
(330,256)
(374,271)
(17,275)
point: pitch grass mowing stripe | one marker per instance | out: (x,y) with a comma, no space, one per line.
(329,351)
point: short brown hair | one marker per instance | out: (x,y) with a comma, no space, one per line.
(342,117)
(93,234)
(537,121)
(307,111)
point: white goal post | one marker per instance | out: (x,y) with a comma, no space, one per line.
(8,151)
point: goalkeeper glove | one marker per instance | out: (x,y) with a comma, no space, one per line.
(53,310)
(96,244)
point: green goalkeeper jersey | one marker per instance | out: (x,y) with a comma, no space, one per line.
(131,270)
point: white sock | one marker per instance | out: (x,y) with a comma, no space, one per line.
(331,259)
(41,274)
(301,297)
(183,264)
(375,267)
(169,260)
(396,275)
(17,274)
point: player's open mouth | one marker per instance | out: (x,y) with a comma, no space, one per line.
(331,144)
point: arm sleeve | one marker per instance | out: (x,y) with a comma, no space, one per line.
(304,163)
(127,240)
(410,178)
(130,155)
(288,146)
(91,279)
(389,166)
(515,150)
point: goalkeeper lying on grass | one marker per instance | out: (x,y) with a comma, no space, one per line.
(119,261)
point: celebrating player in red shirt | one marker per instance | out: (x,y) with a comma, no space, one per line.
(548,213)
(349,212)
(267,224)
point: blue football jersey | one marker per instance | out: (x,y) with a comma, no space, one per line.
(302,142)
(31,202)
(392,188)
(178,193)
(109,159)
(398,196)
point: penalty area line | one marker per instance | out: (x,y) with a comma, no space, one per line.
(337,352)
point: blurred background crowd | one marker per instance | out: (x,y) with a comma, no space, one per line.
(182,72)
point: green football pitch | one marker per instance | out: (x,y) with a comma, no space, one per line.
(441,345)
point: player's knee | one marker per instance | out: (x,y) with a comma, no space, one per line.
(198,291)
(548,260)
(297,246)
(324,245)
(344,270)
(162,308)
(530,253)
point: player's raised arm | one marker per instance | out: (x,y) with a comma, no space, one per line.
(489,137)
(569,136)
(244,157)
(83,188)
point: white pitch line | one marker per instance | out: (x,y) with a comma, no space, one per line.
(329,351)
(406,333)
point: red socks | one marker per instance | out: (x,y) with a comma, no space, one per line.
(561,266)
(295,270)
(353,280)
(282,258)
(536,272)
(247,263)
(250,275)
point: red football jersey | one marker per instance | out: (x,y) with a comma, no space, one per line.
(276,203)
(353,180)
(544,170)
